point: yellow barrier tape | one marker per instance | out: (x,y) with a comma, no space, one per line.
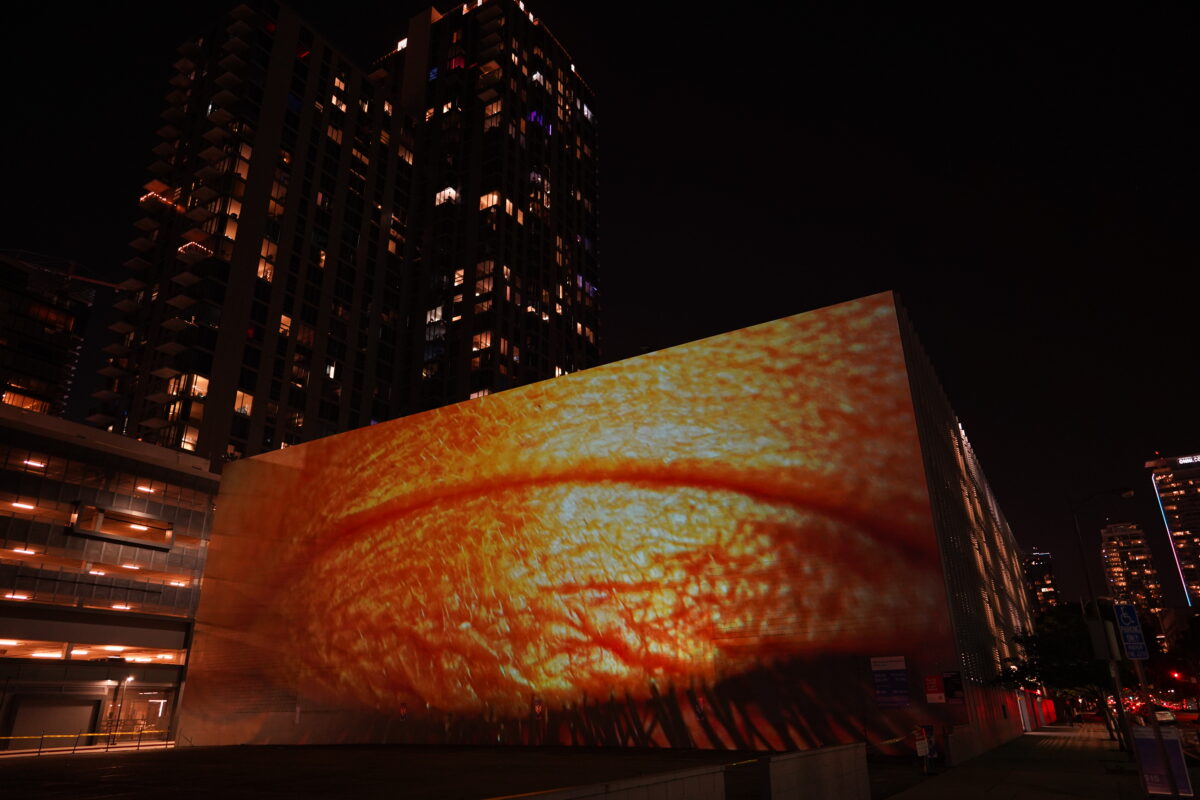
(77,735)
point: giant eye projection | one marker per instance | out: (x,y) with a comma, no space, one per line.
(697,547)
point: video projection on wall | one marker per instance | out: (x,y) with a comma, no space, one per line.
(703,546)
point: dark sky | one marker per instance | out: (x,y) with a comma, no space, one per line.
(1025,183)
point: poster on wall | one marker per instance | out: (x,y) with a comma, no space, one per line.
(952,685)
(645,553)
(891,681)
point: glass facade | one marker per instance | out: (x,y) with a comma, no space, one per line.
(102,546)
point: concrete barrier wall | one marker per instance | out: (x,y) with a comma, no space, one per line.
(705,783)
(839,772)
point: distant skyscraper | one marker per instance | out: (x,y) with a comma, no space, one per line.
(42,317)
(1129,566)
(1177,485)
(326,245)
(1039,580)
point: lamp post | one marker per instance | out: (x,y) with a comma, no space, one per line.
(1101,635)
(121,703)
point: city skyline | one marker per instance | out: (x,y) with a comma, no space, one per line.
(818,157)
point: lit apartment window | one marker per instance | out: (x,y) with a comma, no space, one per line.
(483,285)
(285,325)
(199,386)
(191,434)
(243,403)
(447,195)
(480,393)
(433,315)
(481,340)
(458,278)
(489,200)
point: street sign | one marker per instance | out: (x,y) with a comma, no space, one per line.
(1132,639)
(1155,767)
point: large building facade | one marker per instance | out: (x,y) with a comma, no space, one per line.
(655,558)
(327,245)
(102,546)
(1177,487)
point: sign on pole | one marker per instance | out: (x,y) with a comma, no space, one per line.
(1132,639)
(1155,767)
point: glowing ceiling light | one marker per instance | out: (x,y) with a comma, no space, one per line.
(25,506)
(24,551)
(130,566)
(140,660)
(164,655)
(120,607)
(46,655)
(178,583)
(144,488)
(137,527)
(8,642)
(95,572)
(79,652)
(15,596)
(32,463)
(113,648)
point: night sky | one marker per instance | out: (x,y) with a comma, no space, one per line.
(1026,183)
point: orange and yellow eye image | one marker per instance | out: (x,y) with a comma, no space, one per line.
(686,548)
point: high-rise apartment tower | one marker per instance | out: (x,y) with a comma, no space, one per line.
(1039,580)
(327,245)
(1129,567)
(1177,485)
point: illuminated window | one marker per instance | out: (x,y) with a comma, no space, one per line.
(26,402)
(481,340)
(191,434)
(243,403)
(433,315)
(489,200)
(447,195)
(285,325)
(331,369)
(199,386)
(458,278)
(387,107)
(335,134)
(483,285)
(339,83)
(480,393)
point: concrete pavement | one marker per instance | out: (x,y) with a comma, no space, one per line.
(1051,764)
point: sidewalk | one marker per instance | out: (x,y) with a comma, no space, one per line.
(1056,762)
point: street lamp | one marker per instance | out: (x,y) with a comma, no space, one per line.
(1100,637)
(121,702)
